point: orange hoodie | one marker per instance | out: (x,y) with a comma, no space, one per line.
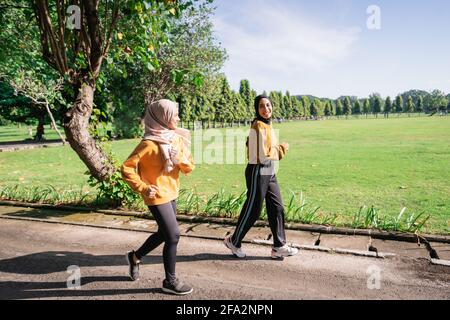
(145,167)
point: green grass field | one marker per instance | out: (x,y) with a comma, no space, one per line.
(20,132)
(339,166)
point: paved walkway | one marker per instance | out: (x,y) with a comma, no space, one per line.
(39,245)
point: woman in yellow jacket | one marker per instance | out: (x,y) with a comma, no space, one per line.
(153,171)
(262,184)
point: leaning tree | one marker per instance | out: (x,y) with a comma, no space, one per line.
(79,37)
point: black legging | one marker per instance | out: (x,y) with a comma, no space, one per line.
(168,232)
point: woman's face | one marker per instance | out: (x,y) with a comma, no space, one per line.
(265,108)
(173,124)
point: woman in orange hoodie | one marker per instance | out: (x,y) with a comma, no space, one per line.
(153,171)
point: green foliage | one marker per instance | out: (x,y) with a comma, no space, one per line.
(357,107)
(46,194)
(399,104)
(277,103)
(339,108)
(370,218)
(388,106)
(113,191)
(328,109)
(437,101)
(189,62)
(366,106)
(410,105)
(23,73)
(419,106)
(248,95)
(376,103)
(347,107)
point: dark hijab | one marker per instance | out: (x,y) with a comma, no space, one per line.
(258,116)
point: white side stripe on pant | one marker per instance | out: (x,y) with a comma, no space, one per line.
(253,185)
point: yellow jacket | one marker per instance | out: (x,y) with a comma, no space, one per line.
(145,167)
(262,144)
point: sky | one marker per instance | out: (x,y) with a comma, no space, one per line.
(330,48)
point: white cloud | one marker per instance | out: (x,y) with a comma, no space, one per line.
(266,40)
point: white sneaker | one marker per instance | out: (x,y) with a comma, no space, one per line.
(236,251)
(284,251)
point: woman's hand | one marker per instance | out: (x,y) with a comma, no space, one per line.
(285,146)
(151,191)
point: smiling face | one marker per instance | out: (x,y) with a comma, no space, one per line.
(265,108)
(173,124)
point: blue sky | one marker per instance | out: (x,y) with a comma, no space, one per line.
(325,48)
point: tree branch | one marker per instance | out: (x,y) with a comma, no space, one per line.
(114,19)
(96,54)
(50,37)
(44,40)
(39,96)
(60,5)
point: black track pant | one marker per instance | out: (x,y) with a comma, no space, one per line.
(168,232)
(261,187)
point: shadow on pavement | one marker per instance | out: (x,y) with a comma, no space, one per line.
(57,261)
(38,290)
(44,213)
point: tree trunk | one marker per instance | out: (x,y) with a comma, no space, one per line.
(76,123)
(40,131)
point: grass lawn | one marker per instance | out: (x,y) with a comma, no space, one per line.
(339,165)
(20,132)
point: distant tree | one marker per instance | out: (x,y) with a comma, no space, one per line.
(239,108)
(366,107)
(347,107)
(377,104)
(387,107)
(277,103)
(398,104)
(357,108)
(332,108)
(296,107)
(320,107)
(339,108)
(437,101)
(248,97)
(305,104)
(185,111)
(419,105)
(222,106)
(328,109)
(288,109)
(315,108)
(410,106)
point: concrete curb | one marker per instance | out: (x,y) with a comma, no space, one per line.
(376,234)
(361,253)
(80,224)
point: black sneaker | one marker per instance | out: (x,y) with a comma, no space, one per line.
(134,267)
(177,287)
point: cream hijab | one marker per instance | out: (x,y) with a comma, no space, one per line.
(158,116)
